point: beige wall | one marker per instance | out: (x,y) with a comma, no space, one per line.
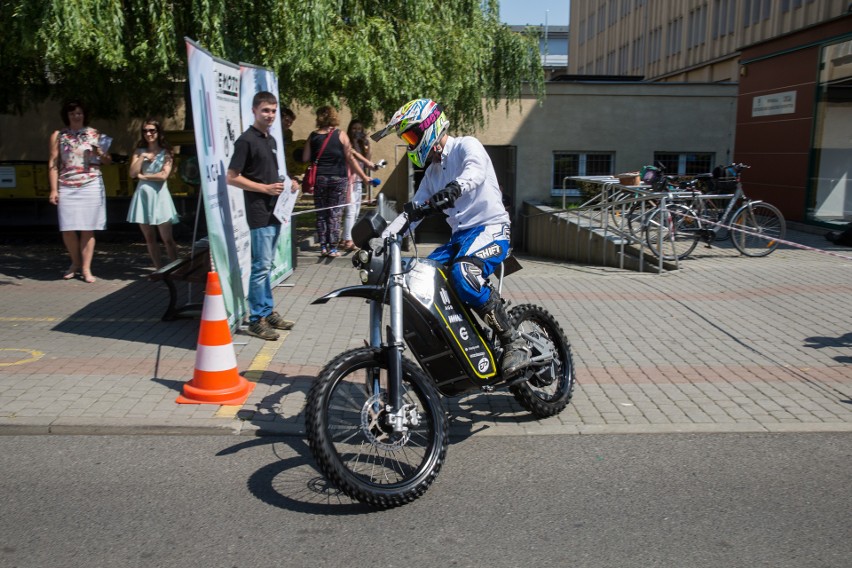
(632,120)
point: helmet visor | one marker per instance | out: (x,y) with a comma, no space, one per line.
(412,136)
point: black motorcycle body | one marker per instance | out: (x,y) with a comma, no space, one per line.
(374,419)
(450,345)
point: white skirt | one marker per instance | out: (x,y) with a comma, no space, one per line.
(83,208)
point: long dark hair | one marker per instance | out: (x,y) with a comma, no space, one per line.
(161,137)
(362,143)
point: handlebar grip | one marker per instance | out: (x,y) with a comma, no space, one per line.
(416,212)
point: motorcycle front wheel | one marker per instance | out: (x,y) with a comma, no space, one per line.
(352,441)
(549,383)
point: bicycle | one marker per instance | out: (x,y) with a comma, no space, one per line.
(692,215)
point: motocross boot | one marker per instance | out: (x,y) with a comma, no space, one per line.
(516,352)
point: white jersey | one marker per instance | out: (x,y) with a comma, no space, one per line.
(465,161)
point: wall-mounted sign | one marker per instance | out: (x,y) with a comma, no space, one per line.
(778,103)
(7,177)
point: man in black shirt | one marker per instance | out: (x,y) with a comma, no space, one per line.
(254,169)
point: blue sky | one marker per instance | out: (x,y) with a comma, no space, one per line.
(532,12)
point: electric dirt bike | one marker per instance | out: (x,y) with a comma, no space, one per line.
(375,420)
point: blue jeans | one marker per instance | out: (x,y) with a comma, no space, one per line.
(260,287)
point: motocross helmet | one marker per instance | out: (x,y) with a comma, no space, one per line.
(420,123)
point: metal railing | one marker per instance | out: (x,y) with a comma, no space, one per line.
(608,211)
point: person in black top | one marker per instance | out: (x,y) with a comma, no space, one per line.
(254,169)
(333,166)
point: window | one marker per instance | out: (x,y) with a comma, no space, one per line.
(623,53)
(654,40)
(697,26)
(578,164)
(723,22)
(639,54)
(686,163)
(674,36)
(830,185)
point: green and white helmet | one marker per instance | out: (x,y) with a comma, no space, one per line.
(420,123)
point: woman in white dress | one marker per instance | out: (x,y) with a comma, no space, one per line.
(77,187)
(152,206)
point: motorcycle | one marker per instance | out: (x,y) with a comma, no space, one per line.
(375,420)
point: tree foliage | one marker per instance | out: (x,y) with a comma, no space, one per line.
(372,55)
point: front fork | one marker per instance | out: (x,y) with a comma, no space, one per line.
(398,416)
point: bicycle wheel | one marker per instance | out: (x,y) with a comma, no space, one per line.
(756,228)
(352,441)
(672,232)
(637,216)
(618,211)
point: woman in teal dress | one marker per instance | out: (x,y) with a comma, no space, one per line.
(152,206)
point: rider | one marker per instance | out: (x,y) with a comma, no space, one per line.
(460,180)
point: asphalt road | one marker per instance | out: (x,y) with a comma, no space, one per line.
(708,500)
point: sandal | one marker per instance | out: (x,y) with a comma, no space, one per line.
(323,252)
(89,279)
(349,246)
(333,253)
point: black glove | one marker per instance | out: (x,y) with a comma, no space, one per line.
(446,198)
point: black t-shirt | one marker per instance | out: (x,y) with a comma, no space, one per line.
(255,159)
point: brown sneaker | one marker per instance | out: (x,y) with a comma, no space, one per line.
(263,330)
(278,322)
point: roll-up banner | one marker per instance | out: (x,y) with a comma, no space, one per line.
(215,93)
(254,79)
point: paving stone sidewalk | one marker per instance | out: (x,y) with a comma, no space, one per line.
(728,344)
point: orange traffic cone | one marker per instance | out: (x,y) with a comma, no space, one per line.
(215,380)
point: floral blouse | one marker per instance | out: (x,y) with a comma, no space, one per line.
(74,170)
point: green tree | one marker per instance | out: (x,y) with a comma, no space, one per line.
(372,55)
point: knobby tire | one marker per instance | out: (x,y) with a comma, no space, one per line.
(352,445)
(548,389)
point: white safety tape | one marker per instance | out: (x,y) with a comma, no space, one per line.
(782,241)
(325,208)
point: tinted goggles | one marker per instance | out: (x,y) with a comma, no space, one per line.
(412,136)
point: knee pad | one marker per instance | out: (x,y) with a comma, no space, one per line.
(466,278)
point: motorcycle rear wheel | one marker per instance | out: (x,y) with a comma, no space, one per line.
(351,441)
(548,389)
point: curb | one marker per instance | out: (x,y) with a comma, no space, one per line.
(237,427)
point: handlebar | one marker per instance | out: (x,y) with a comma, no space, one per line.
(417,212)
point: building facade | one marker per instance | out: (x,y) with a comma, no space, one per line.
(553,46)
(688,40)
(791,61)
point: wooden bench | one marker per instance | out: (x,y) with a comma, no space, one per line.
(193,269)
